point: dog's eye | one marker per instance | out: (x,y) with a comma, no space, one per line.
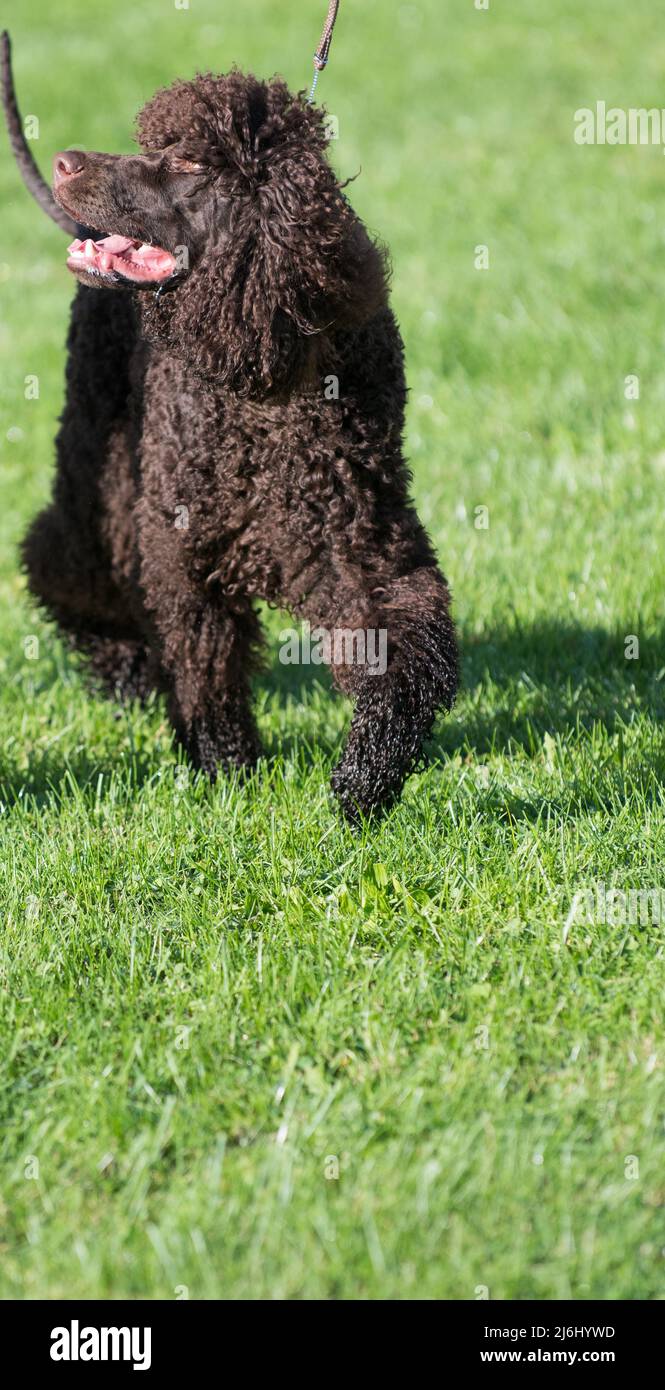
(185,166)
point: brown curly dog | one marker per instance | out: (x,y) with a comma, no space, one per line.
(233,432)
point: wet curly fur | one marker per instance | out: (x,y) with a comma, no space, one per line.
(205,459)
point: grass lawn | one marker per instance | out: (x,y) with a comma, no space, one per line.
(245,1053)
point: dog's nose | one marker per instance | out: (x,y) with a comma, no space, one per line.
(67,163)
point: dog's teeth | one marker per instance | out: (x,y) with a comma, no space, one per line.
(89,250)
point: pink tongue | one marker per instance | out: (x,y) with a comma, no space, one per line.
(150,260)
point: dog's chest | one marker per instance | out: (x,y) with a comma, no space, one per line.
(201,469)
(191,443)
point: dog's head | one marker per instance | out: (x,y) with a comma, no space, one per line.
(233,208)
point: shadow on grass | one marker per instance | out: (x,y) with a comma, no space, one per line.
(67,774)
(519,683)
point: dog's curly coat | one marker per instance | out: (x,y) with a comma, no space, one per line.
(208,402)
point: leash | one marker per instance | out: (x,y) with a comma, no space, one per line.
(323,51)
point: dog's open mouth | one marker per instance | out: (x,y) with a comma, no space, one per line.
(122,255)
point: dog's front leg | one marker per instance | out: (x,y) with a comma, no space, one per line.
(209,659)
(207,647)
(209,650)
(394,652)
(221,734)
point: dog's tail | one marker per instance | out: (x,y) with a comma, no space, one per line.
(27,167)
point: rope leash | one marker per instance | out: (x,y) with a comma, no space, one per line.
(323,51)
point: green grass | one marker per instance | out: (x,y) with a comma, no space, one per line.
(214,1000)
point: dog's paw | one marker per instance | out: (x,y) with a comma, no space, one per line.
(359,793)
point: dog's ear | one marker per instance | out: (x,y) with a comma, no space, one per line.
(293,263)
